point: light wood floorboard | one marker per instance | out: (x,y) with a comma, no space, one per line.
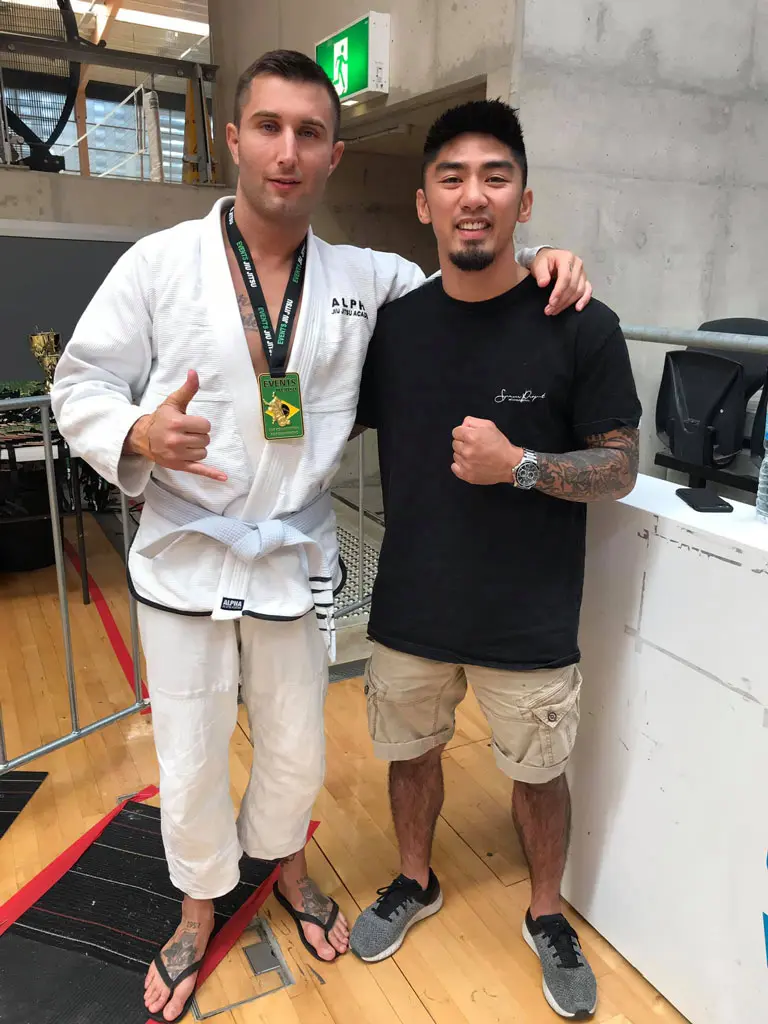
(467,965)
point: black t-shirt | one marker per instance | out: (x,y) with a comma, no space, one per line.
(485,575)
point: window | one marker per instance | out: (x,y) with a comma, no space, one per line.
(114,140)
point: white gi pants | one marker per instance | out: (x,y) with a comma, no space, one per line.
(193,667)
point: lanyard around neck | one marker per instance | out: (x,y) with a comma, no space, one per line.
(274,343)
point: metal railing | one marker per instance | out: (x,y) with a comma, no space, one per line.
(77,731)
(18,133)
(363,599)
(43,403)
(700,339)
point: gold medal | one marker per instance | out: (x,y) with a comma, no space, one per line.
(281,406)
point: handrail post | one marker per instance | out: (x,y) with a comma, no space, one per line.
(58,550)
(204,164)
(134,617)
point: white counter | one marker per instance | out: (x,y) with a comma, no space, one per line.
(670,774)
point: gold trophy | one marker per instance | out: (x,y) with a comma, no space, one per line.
(46,348)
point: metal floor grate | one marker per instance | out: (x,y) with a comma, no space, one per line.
(347,670)
(348,547)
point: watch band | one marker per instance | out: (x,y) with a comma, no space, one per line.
(526,473)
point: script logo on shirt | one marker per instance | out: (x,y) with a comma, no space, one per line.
(526,396)
(348,307)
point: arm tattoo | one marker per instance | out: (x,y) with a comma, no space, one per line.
(606,469)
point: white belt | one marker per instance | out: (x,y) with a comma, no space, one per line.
(249,542)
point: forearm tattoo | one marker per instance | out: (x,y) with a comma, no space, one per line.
(606,469)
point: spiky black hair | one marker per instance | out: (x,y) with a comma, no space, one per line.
(478,117)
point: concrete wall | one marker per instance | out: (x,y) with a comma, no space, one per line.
(371,201)
(647,130)
(69,199)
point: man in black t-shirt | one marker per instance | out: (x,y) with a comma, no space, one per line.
(496,424)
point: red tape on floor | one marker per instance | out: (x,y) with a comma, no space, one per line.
(111,628)
(18,904)
(218,947)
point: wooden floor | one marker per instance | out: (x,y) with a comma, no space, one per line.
(467,964)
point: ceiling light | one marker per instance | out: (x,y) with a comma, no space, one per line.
(128,16)
(349,103)
(193,28)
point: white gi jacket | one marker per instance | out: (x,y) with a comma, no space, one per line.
(169,305)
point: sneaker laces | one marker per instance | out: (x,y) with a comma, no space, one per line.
(561,937)
(393,896)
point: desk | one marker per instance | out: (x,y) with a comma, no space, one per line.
(670,772)
(22,446)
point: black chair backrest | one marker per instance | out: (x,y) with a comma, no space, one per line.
(755,370)
(701,407)
(755,364)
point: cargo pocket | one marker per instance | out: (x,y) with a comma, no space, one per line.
(557,715)
(409,708)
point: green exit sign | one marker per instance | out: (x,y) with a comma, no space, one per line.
(356,59)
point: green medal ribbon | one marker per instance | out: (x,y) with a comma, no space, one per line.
(280,391)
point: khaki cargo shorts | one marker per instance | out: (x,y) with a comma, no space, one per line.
(533,715)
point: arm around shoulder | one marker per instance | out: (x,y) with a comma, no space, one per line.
(526,254)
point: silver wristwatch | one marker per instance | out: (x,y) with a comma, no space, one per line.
(526,473)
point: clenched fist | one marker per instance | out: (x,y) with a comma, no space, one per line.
(173,439)
(482,454)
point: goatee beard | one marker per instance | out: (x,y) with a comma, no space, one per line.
(472,259)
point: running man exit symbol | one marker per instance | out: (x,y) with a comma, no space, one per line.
(341,66)
(356,58)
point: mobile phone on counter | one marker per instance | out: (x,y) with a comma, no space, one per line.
(703,500)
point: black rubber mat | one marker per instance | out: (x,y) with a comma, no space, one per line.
(16,790)
(41,984)
(93,934)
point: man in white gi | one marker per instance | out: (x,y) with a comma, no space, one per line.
(176,386)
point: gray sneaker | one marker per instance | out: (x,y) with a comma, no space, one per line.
(569,984)
(380,930)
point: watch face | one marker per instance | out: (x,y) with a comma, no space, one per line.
(527,475)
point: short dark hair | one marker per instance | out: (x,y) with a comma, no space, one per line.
(479,117)
(293,67)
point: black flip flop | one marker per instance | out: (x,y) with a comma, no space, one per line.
(172,985)
(299,916)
